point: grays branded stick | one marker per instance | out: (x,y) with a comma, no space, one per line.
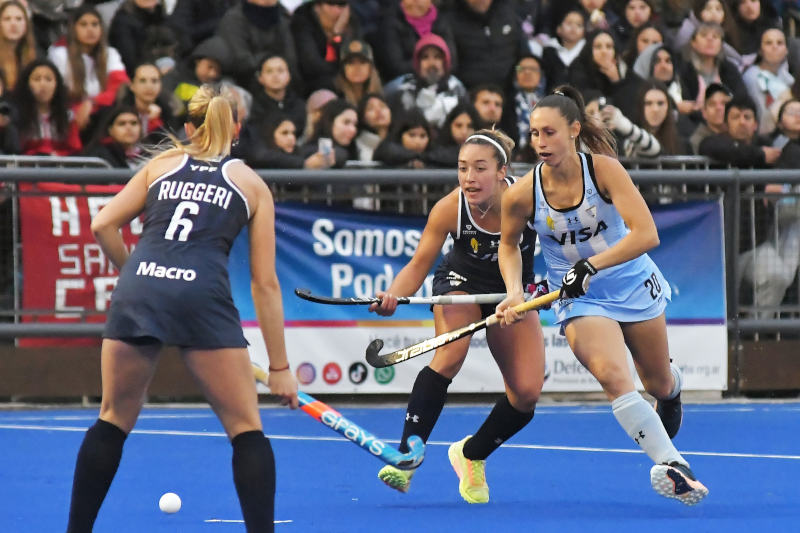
(403,354)
(491,298)
(355,433)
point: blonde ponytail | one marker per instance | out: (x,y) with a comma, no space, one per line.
(213,114)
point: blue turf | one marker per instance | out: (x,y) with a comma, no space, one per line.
(331,485)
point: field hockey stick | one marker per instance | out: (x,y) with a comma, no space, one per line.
(355,433)
(403,354)
(491,298)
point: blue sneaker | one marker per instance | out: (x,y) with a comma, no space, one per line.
(676,480)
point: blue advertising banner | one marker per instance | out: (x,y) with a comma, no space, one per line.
(346,253)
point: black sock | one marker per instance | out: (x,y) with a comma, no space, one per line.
(254,477)
(501,424)
(425,405)
(97,463)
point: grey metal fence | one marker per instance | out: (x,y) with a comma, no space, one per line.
(750,215)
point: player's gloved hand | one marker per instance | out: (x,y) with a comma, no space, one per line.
(576,280)
(538,289)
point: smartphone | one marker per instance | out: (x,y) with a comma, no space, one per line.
(325,145)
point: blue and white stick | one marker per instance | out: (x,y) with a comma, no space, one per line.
(355,433)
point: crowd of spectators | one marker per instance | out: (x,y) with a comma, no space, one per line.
(398,83)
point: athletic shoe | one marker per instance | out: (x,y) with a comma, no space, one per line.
(396,478)
(471,474)
(671,414)
(675,480)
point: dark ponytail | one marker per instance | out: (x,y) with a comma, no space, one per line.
(569,102)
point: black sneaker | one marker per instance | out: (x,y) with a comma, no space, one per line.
(671,414)
(676,480)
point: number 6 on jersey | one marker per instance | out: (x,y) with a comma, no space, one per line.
(178,221)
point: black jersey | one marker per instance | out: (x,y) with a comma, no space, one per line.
(471,265)
(175,286)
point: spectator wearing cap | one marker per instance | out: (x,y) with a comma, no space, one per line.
(251,29)
(740,146)
(402,24)
(357,76)
(488,41)
(431,88)
(320,28)
(716,97)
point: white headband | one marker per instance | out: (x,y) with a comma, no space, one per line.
(492,141)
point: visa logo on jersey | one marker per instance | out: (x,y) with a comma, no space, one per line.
(581,235)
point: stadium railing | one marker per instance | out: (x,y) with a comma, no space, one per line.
(665,180)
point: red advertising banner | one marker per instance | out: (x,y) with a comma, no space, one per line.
(63,267)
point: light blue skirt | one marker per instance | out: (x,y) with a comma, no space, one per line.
(627,293)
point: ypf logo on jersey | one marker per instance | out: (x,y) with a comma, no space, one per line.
(203,168)
(331,373)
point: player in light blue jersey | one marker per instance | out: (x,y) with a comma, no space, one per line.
(593,224)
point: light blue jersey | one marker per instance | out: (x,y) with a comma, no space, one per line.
(630,292)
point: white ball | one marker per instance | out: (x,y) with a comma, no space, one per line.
(170,503)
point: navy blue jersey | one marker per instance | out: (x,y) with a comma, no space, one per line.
(174,286)
(471,266)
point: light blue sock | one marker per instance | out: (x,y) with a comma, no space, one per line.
(641,423)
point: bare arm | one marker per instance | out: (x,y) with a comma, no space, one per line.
(123,208)
(409,279)
(266,289)
(615,183)
(516,209)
